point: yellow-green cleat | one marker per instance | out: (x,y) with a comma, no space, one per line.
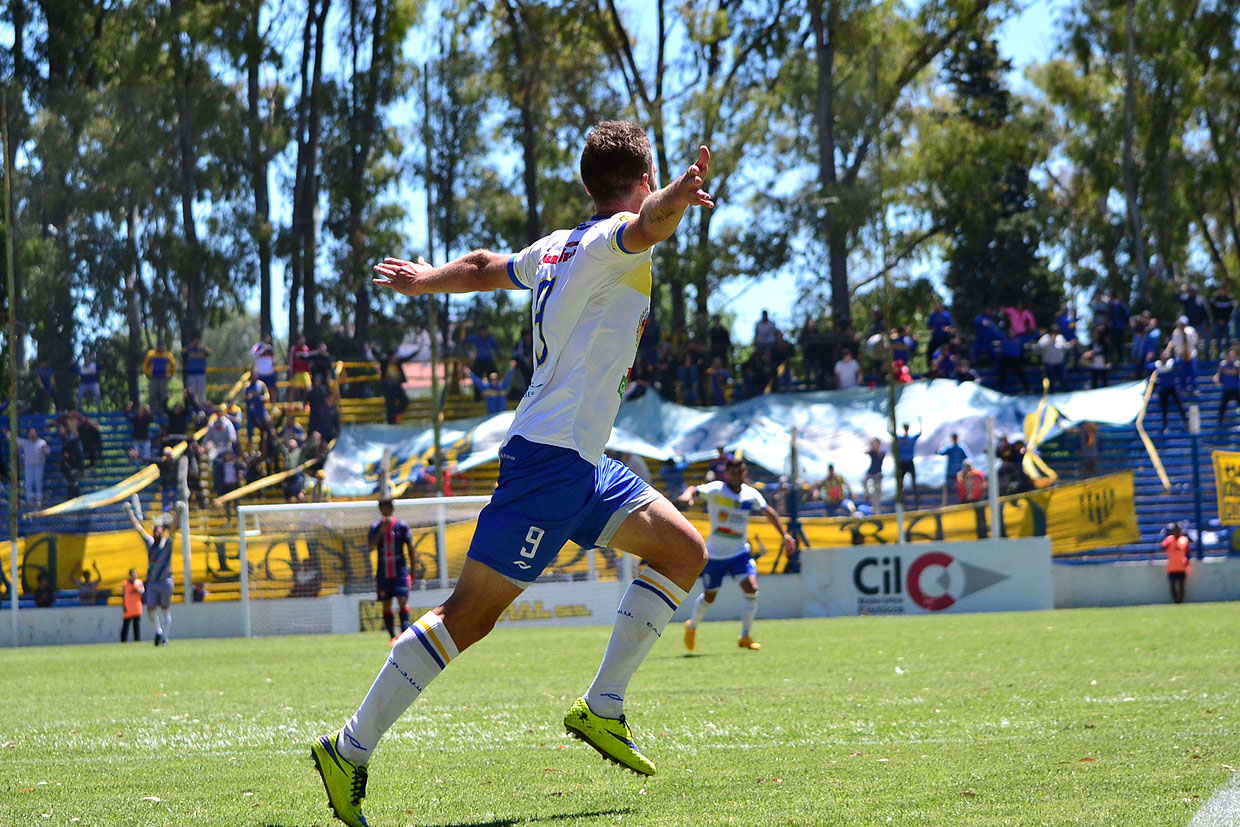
(345,783)
(610,737)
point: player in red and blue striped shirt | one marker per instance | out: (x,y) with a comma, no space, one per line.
(390,537)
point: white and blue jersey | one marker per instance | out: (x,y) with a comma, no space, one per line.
(726,545)
(729,513)
(591,298)
(590,303)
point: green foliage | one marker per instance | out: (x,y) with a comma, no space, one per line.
(987,205)
(1032,718)
(853,142)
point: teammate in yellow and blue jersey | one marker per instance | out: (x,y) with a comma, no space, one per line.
(590,296)
(730,502)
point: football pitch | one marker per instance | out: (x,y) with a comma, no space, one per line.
(1088,717)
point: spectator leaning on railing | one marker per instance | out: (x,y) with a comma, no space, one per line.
(847,371)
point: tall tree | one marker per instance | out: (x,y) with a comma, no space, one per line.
(988,208)
(360,155)
(307,174)
(853,107)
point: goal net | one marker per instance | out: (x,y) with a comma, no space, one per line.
(310,550)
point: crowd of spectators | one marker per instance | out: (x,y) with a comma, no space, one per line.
(697,365)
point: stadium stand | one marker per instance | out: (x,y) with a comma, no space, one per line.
(1122,450)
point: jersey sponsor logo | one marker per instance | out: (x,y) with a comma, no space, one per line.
(559,256)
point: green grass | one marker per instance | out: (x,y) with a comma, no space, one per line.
(1089,717)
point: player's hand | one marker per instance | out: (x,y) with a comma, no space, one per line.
(688,187)
(790,545)
(402,276)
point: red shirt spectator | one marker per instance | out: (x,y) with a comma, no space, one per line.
(970,484)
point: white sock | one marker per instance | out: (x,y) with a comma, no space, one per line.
(153,614)
(648,604)
(419,655)
(699,609)
(167,613)
(749,612)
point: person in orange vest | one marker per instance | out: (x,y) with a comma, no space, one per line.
(1176,545)
(132,606)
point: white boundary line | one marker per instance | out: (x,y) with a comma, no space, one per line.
(1223,808)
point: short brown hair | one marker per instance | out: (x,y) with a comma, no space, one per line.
(616,156)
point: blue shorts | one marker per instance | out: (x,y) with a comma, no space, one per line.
(545,496)
(739,566)
(388,587)
(159,593)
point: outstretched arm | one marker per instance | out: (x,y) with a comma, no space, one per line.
(662,210)
(687,495)
(790,547)
(474,272)
(137,525)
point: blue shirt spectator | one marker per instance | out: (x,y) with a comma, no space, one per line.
(485,347)
(940,323)
(1067,324)
(907,445)
(494,390)
(1194,306)
(956,455)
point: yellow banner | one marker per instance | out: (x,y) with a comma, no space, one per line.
(1076,516)
(1227,484)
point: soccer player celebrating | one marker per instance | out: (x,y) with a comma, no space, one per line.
(590,290)
(730,502)
(159,584)
(391,539)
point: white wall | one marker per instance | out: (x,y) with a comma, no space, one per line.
(782,596)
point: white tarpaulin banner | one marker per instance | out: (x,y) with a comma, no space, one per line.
(832,427)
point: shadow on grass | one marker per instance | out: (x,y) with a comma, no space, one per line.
(512,822)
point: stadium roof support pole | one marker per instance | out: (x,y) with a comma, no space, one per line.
(441,540)
(1194,428)
(992,478)
(186,563)
(14,582)
(243,562)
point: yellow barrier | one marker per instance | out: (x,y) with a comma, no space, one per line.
(1227,486)
(1077,517)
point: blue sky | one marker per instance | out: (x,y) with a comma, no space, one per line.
(1027,37)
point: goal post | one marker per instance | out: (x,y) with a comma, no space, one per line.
(313,550)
